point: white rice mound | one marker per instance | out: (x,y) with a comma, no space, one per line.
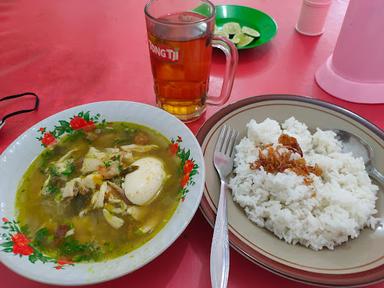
(327,212)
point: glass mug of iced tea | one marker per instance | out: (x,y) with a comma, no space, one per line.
(180,39)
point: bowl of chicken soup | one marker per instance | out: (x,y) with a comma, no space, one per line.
(97,191)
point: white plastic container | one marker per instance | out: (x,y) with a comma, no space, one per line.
(312,17)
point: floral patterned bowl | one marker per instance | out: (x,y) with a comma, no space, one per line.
(17,250)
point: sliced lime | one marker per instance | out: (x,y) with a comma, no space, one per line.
(250,32)
(232,28)
(244,40)
(236,39)
(222,33)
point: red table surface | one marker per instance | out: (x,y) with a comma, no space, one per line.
(77,51)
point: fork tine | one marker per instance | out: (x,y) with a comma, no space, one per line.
(232,142)
(235,143)
(226,140)
(220,140)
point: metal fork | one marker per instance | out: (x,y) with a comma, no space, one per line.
(223,162)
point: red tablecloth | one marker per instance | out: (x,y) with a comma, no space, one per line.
(73,52)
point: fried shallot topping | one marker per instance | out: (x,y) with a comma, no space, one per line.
(275,160)
(290,143)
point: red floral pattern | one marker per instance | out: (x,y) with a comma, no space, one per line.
(21,244)
(48,139)
(184,180)
(82,121)
(173,147)
(78,123)
(188,166)
(61,263)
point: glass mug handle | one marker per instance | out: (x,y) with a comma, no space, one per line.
(232,58)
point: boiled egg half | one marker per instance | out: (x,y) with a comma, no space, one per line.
(144,184)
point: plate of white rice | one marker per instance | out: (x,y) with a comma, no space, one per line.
(307,212)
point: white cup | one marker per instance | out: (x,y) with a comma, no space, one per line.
(312,17)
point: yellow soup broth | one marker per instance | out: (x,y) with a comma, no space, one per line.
(54,223)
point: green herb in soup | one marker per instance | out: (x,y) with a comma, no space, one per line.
(97,195)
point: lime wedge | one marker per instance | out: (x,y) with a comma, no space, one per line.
(222,33)
(244,40)
(231,28)
(237,38)
(250,32)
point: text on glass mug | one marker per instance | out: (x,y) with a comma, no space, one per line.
(166,53)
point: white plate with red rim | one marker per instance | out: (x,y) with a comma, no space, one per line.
(17,157)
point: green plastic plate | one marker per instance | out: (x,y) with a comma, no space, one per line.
(250,17)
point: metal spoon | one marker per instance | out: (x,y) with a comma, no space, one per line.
(359,148)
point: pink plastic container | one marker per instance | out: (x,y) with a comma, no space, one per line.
(355,71)
(312,17)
